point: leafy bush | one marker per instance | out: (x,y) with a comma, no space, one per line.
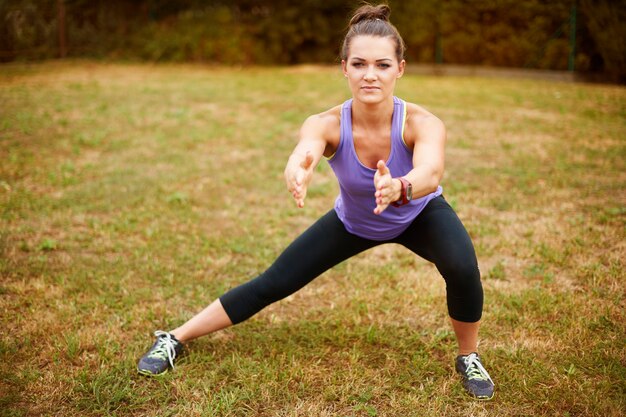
(533,33)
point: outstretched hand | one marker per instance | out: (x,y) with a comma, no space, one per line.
(385,191)
(298,175)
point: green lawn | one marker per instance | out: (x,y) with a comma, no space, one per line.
(132,195)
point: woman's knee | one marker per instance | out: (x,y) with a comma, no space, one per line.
(461,276)
(464,291)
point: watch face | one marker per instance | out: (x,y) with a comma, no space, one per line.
(409,192)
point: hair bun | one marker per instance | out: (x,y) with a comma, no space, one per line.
(369,12)
(369,20)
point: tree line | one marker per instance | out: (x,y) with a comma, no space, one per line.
(581,35)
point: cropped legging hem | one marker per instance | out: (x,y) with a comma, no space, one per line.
(436,235)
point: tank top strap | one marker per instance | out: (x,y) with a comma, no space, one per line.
(346,120)
(397,123)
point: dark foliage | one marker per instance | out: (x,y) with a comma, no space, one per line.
(531,34)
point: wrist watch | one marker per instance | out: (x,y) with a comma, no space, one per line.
(406,193)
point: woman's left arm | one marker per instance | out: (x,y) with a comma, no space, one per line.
(427,134)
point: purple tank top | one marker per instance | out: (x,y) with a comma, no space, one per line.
(356,202)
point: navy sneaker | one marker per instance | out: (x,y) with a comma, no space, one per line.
(161,355)
(476,380)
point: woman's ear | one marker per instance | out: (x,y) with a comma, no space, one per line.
(401,68)
(344,68)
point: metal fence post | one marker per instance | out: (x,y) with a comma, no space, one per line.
(572,39)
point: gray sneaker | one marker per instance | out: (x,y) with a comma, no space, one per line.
(476,380)
(161,355)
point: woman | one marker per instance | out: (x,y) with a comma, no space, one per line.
(388,156)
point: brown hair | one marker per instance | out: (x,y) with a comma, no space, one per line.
(372,21)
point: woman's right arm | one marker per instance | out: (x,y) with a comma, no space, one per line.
(317,138)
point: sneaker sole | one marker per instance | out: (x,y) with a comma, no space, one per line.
(483,398)
(147,373)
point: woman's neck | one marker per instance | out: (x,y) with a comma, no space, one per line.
(372,116)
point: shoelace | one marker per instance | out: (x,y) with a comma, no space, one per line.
(475,369)
(166,347)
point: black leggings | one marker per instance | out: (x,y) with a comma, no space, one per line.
(436,235)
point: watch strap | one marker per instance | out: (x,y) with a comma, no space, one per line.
(403,197)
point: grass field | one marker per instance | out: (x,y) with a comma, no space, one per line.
(132,195)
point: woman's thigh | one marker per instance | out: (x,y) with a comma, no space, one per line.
(322,246)
(438,235)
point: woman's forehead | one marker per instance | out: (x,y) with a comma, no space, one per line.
(372,47)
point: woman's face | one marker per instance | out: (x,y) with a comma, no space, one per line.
(372,68)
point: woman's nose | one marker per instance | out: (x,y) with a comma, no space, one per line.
(370,74)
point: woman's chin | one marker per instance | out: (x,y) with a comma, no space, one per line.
(370,97)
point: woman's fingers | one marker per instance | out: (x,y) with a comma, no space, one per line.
(380,208)
(301,178)
(383,184)
(300,194)
(383,197)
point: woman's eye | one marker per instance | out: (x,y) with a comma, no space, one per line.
(384,65)
(357,64)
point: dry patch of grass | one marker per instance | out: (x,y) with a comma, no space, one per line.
(132,195)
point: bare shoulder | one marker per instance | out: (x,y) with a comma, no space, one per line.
(420,123)
(417,115)
(325,125)
(326,120)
